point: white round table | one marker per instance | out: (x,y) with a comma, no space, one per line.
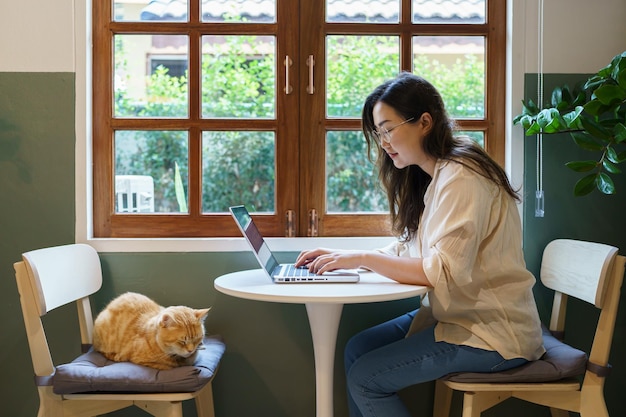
(324,303)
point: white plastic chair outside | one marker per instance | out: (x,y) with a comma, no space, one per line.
(134,193)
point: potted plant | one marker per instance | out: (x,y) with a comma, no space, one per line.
(594,113)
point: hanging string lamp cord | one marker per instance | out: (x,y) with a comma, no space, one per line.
(539,197)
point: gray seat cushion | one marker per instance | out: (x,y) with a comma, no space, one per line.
(92,372)
(560,361)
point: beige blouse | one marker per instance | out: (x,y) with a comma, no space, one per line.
(471,244)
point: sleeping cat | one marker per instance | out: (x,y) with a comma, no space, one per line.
(134,328)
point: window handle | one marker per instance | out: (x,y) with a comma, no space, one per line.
(310,62)
(290,223)
(288,64)
(313,229)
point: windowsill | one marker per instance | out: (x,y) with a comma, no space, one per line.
(279,244)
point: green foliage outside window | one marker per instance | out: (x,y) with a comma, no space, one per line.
(240,83)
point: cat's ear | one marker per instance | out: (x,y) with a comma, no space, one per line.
(166,320)
(202,314)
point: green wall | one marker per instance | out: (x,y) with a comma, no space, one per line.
(595,217)
(36,207)
(268,367)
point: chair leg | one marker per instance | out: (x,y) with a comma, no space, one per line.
(474,403)
(161,408)
(443,400)
(470,405)
(592,402)
(557,412)
(593,408)
(50,404)
(204,402)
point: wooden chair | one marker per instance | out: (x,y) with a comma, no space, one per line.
(591,272)
(53,277)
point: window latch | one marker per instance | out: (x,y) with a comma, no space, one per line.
(313,223)
(290,223)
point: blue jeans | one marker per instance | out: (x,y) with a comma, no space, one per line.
(380,361)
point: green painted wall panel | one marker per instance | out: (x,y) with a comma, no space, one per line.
(36,208)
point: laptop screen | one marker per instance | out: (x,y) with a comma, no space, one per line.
(253,236)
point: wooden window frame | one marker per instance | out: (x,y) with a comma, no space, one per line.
(300,192)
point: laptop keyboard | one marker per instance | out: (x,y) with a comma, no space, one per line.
(290,271)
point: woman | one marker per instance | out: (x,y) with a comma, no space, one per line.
(454,212)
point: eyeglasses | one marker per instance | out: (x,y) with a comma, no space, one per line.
(384,135)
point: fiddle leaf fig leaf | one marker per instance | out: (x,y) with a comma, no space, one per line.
(617,65)
(594,81)
(525,120)
(621,78)
(571,118)
(550,120)
(529,108)
(611,167)
(566,93)
(612,156)
(557,96)
(608,94)
(582,166)
(580,99)
(605,184)
(606,71)
(533,129)
(594,107)
(586,141)
(585,185)
(594,128)
(619,131)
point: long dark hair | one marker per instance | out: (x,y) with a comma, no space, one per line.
(411,96)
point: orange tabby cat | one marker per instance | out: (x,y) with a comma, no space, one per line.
(134,328)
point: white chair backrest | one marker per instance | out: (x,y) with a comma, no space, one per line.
(63,274)
(577,268)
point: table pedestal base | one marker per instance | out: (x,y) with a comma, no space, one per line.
(324,321)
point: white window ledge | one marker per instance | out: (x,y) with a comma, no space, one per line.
(278,244)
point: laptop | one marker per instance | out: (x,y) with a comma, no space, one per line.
(282,273)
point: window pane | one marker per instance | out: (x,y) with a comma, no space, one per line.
(238,168)
(456,66)
(258,11)
(151,171)
(449,11)
(478,137)
(355,66)
(238,76)
(263,11)
(351,179)
(362,11)
(154,10)
(158,89)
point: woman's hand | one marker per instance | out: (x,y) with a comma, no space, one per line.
(403,269)
(322,260)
